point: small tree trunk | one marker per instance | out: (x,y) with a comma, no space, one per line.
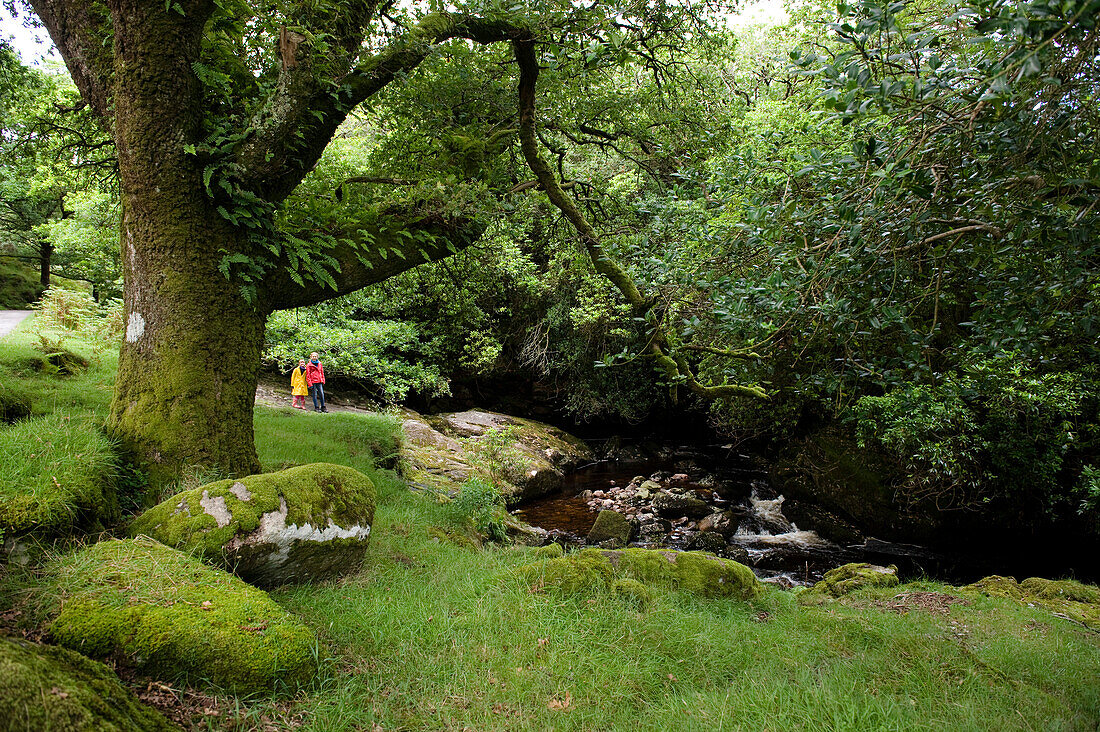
(45,257)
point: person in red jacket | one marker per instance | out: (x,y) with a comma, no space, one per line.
(315,380)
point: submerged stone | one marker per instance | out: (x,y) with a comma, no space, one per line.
(52,688)
(169,615)
(305,523)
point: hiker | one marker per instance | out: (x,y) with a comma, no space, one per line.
(315,378)
(298,387)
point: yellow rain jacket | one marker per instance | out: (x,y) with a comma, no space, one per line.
(298,382)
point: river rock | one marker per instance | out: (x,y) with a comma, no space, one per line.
(721,523)
(737,553)
(440,452)
(707,541)
(611,526)
(672,505)
(305,523)
(173,617)
(52,688)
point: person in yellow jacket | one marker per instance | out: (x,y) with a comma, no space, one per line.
(298,388)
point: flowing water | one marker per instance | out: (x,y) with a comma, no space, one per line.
(754,529)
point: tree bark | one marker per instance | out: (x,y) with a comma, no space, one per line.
(189,360)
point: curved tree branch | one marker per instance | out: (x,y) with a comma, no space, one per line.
(293,128)
(82,32)
(673,365)
(432,238)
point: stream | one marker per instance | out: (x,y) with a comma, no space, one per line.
(712,499)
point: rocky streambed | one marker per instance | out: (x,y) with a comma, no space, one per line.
(707,498)
(727,510)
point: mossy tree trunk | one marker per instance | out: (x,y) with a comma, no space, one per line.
(189,362)
(189,359)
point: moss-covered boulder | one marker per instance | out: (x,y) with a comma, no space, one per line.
(996,586)
(692,572)
(305,523)
(50,688)
(1066,589)
(441,452)
(169,615)
(57,477)
(611,526)
(633,593)
(1070,598)
(550,551)
(848,578)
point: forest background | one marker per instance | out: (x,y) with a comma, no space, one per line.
(877,218)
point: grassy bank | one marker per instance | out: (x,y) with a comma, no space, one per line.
(431,635)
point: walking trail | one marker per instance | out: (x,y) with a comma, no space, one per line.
(11,318)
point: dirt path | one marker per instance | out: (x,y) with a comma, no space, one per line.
(11,318)
(275,392)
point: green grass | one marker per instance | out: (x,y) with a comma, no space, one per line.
(57,469)
(57,472)
(433,636)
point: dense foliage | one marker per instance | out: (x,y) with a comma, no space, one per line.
(892,225)
(897,221)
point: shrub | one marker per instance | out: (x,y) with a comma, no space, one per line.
(480,503)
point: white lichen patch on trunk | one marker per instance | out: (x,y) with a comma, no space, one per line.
(215,506)
(135,327)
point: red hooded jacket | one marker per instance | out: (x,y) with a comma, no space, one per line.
(315,373)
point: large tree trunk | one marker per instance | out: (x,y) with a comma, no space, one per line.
(190,356)
(191,352)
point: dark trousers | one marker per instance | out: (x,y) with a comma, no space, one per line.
(318,390)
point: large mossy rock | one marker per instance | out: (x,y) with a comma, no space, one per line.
(1070,598)
(59,478)
(441,452)
(305,523)
(169,615)
(693,572)
(848,578)
(51,689)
